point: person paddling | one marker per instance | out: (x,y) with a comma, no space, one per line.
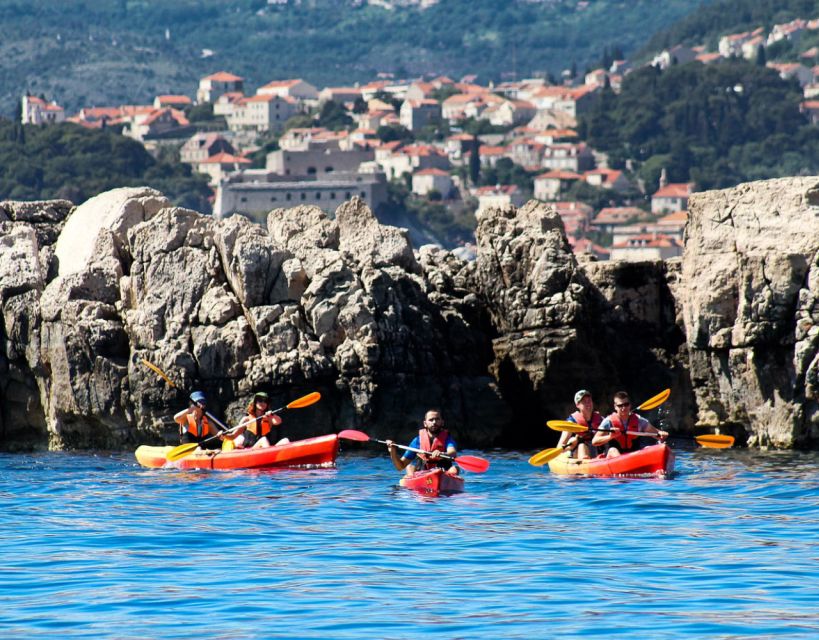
(261,425)
(194,425)
(433,438)
(580,445)
(613,433)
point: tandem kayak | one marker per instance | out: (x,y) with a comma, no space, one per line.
(313,451)
(433,482)
(655,460)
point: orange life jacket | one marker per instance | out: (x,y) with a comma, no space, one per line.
(198,430)
(436,444)
(596,419)
(625,441)
(262,426)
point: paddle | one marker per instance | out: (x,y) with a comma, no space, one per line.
(165,377)
(542,457)
(186,449)
(470,463)
(712,441)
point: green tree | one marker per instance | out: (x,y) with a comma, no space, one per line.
(475,161)
(333,116)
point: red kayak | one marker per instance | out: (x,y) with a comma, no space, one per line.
(433,482)
(321,451)
(656,460)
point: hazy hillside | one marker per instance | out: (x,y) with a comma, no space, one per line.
(730,16)
(121,51)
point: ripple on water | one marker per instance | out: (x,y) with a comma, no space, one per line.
(98,547)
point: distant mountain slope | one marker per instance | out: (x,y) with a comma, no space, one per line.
(730,16)
(124,51)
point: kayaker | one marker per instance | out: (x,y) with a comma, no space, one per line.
(580,445)
(261,424)
(433,438)
(194,425)
(612,433)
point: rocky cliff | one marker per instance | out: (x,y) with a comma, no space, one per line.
(750,302)
(344,306)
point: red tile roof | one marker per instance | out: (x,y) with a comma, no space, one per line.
(223,76)
(675,190)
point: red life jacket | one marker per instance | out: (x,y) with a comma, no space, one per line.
(199,430)
(263,425)
(437,444)
(625,441)
(596,419)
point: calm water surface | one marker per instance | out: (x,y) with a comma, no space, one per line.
(96,547)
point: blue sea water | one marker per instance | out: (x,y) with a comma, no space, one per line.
(96,547)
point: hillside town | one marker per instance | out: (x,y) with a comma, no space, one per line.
(289,143)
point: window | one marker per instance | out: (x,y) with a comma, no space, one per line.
(347,195)
(303,196)
(328,169)
(318,195)
(243,199)
(332,195)
(364,195)
(273,198)
(289,196)
(311,171)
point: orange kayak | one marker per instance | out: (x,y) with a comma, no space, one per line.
(655,460)
(313,451)
(433,482)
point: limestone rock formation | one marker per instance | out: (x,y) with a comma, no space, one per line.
(749,305)
(336,305)
(28,231)
(343,305)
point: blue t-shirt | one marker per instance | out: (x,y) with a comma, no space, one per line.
(416,444)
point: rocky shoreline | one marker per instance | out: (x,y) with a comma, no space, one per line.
(345,306)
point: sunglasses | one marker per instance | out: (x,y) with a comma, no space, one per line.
(620,406)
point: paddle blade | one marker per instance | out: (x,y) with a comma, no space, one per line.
(655,401)
(472,463)
(565,425)
(305,401)
(158,372)
(542,457)
(181,451)
(352,434)
(715,441)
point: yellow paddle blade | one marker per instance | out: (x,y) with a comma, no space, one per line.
(305,401)
(565,425)
(181,451)
(655,401)
(715,441)
(158,372)
(542,457)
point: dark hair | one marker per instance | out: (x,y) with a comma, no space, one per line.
(621,395)
(436,410)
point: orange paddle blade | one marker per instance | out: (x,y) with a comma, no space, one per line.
(715,441)
(158,372)
(305,401)
(565,425)
(655,401)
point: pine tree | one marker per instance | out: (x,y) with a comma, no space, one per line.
(475,162)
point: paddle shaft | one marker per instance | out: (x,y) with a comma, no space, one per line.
(413,449)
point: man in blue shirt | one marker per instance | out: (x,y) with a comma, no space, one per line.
(432,438)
